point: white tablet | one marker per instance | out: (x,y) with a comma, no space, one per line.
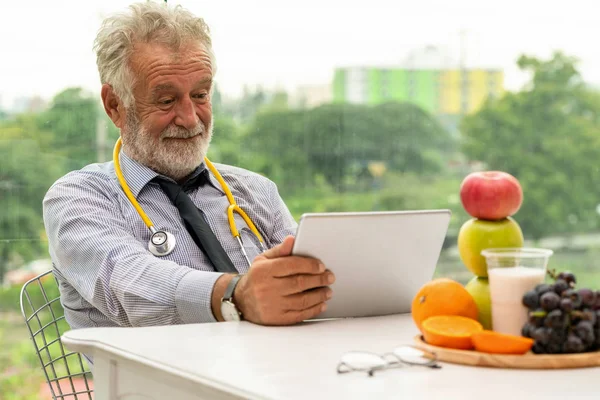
(380,259)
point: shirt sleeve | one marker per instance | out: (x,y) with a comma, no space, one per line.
(283,223)
(96,252)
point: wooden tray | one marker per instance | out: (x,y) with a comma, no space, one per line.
(526,361)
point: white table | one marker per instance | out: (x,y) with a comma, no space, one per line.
(242,360)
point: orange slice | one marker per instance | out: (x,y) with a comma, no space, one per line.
(451,331)
(500,343)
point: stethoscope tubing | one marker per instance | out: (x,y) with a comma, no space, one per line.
(161,242)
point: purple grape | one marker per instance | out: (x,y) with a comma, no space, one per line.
(538,348)
(541,336)
(573,345)
(568,277)
(589,342)
(589,315)
(550,301)
(542,288)
(558,335)
(577,301)
(560,286)
(574,296)
(584,330)
(596,305)
(566,305)
(555,341)
(527,330)
(555,319)
(554,348)
(531,300)
(588,297)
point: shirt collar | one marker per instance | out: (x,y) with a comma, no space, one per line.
(138,176)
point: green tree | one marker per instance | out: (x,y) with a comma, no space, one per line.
(548,136)
(35,150)
(26,173)
(340,141)
(245,108)
(278,101)
(73,119)
(216,99)
(226,147)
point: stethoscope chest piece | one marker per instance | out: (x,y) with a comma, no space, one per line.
(161,243)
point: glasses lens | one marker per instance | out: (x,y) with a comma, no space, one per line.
(361,361)
(414,356)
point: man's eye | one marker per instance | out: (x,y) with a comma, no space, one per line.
(166,101)
(201,95)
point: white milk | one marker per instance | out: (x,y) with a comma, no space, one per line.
(507,287)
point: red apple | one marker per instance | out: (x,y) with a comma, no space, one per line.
(491,195)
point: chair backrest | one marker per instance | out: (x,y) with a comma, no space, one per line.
(67,374)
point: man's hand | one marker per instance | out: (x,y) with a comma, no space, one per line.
(281,289)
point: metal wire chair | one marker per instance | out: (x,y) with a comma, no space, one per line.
(43,313)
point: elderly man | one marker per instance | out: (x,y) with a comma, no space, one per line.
(157,68)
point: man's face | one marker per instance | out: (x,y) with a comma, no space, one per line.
(169,127)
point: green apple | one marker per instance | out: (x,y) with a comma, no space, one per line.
(478,234)
(479,288)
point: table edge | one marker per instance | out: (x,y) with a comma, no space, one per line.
(90,346)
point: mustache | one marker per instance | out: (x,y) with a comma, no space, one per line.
(178,132)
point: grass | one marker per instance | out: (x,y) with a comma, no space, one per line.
(21,375)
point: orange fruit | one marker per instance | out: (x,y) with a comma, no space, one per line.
(451,331)
(442,296)
(500,343)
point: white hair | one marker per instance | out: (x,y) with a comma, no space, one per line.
(147,22)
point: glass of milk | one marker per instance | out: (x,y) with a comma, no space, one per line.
(511,273)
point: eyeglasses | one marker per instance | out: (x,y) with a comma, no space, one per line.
(400,356)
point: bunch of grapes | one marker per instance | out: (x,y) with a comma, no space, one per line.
(562,318)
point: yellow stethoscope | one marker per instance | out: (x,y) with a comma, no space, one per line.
(162,242)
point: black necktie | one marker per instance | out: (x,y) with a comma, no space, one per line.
(195,224)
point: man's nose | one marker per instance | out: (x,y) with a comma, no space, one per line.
(186,115)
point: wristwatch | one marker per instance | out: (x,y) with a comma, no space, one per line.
(228,308)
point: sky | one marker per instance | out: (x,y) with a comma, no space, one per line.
(46,46)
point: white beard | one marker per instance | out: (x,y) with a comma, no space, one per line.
(172,158)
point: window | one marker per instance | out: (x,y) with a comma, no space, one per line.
(316,150)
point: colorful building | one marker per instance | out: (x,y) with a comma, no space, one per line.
(442,92)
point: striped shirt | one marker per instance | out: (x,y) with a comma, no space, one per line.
(99,244)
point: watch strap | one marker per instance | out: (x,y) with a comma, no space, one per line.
(231,287)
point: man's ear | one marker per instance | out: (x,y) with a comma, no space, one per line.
(113,105)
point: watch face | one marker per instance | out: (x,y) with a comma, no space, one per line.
(229,311)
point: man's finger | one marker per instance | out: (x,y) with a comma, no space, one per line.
(296,266)
(299,283)
(302,301)
(293,317)
(281,250)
